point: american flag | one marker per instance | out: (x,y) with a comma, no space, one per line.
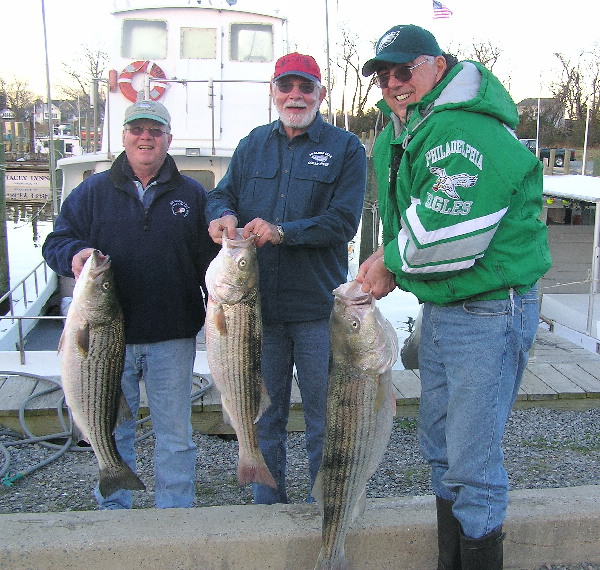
(440,11)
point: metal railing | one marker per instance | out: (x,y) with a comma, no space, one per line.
(22,295)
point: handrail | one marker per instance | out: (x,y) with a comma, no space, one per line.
(22,285)
(41,276)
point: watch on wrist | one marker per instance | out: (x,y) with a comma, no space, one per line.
(281,234)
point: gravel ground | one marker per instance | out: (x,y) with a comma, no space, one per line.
(543,449)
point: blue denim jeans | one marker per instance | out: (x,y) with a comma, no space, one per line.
(166,368)
(472,356)
(305,344)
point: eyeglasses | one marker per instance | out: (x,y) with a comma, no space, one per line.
(402,73)
(306,87)
(153,132)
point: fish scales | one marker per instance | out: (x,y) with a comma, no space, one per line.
(93,346)
(346,459)
(360,410)
(233,346)
(240,385)
(102,396)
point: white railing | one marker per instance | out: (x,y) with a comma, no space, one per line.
(26,301)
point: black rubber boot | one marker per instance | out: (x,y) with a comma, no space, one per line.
(448,529)
(483,553)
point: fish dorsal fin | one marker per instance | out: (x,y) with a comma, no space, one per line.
(360,506)
(265,401)
(78,434)
(123,412)
(61,341)
(317,490)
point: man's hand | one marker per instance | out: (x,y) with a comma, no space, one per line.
(375,277)
(216,228)
(264,232)
(80,258)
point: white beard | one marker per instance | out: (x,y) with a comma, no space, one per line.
(298,120)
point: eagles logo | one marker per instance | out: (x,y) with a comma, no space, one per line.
(447,183)
(386,41)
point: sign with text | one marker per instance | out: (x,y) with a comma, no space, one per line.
(27,186)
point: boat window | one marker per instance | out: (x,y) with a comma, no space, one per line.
(251,42)
(198,43)
(144,39)
(205,177)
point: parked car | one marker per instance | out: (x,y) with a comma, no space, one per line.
(559,157)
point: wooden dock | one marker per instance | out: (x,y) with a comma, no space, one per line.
(560,375)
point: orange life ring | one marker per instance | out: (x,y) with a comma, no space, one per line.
(149,67)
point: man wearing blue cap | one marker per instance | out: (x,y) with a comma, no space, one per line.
(150,220)
(460,200)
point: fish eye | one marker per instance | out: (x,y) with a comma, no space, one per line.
(242,263)
(106,285)
(355,324)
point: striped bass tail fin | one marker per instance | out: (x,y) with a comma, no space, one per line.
(124,478)
(254,470)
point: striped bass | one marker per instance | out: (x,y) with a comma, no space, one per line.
(233,348)
(361,405)
(93,346)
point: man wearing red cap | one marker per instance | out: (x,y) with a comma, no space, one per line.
(297,184)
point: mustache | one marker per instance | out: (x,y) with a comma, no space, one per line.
(295,106)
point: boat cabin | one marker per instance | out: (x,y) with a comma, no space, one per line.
(209,63)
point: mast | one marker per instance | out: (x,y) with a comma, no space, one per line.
(52,155)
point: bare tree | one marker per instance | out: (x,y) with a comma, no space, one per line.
(18,97)
(354,82)
(355,87)
(577,91)
(483,52)
(83,90)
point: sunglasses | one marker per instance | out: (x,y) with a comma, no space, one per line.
(154,132)
(402,73)
(306,87)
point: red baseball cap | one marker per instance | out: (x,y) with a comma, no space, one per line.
(297,64)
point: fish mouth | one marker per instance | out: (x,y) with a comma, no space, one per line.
(239,240)
(350,293)
(99,265)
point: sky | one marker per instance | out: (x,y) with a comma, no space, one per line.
(527,31)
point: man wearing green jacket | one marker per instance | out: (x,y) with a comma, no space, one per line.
(460,200)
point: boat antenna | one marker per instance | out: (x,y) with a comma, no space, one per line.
(52,155)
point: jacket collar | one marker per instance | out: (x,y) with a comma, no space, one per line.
(121,172)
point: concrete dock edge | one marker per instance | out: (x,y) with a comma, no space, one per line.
(543,526)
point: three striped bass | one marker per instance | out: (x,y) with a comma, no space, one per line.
(361,405)
(233,348)
(93,346)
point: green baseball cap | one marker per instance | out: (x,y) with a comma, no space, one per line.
(147,110)
(402,44)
